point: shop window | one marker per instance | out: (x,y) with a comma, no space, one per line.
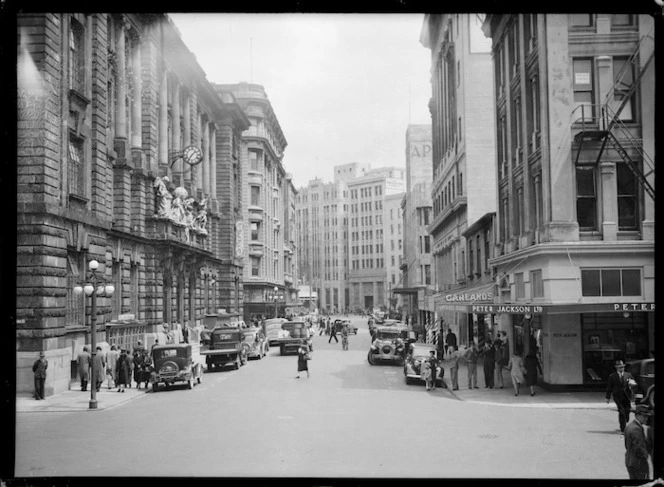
(611,282)
(586,198)
(584,109)
(536,285)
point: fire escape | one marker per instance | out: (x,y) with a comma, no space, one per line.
(608,127)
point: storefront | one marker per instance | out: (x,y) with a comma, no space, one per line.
(577,344)
(462,312)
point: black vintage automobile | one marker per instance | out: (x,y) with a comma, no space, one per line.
(175,363)
(412,368)
(643,372)
(389,344)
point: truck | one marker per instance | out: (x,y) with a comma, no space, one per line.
(272,327)
(225,348)
(291,336)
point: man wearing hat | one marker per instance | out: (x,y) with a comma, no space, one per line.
(620,384)
(636,454)
(39,369)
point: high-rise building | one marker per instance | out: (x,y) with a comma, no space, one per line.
(342,238)
(574,264)
(464,176)
(266,219)
(417,282)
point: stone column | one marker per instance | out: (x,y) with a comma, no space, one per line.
(187,131)
(177,169)
(604,82)
(136,134)
(213,163)
(205,179)
(609,200)
(163,120)
(121,102)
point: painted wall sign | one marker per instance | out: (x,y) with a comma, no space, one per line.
(564,335)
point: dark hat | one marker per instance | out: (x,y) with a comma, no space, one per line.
(619,363)
(432,351)
(642,409)
(42,354)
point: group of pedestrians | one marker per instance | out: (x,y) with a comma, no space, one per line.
(496,357)
(115,366)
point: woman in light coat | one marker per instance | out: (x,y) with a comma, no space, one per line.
(515,366)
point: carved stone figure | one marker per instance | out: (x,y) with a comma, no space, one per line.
(178,211)
(163,197)
(200,222)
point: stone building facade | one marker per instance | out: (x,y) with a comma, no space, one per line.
(269,240)
(575,123)
(463,188)
(107,103)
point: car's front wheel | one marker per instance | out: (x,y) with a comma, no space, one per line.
(370,358)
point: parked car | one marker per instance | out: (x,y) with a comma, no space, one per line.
(643,372)
(339,324)
(225,348)
(389,344)
(255,343)
(418,353)
(175,363)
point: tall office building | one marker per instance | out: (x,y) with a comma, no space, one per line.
(342,240)
(575,234)
(417,284)
(464,176)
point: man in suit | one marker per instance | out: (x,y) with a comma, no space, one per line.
(636,454)
(619,385)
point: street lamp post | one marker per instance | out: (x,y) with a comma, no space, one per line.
(276,290)
(93,287)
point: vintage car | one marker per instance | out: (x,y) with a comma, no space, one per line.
(418,353)
(339,324)
(175,363)
(389,344)
(255,343)
(225,348)
(643,372)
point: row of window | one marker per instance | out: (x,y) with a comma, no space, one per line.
(594,282)
(368,264)
(447,194)
(366,192)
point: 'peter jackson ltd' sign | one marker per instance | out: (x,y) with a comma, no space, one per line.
(506,309)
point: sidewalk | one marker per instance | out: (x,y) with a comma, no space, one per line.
(506,397)
(77,400)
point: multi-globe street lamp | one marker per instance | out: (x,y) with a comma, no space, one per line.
(276,290)
(94,285)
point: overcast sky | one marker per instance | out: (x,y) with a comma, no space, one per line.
(344,87)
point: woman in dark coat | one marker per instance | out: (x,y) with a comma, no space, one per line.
(123,370)
(302,358)
(138,367)
(532,366)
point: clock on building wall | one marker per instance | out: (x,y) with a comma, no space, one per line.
(192,155)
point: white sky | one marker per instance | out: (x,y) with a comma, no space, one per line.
(344,87)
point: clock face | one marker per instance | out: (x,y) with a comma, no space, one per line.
(192,155)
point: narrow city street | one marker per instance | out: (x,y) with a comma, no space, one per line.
(349,419)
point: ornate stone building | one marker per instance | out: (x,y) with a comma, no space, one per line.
(108,103)
(268,194)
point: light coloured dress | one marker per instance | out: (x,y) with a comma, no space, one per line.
(516,365)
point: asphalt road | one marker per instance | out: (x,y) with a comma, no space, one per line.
(349,419)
